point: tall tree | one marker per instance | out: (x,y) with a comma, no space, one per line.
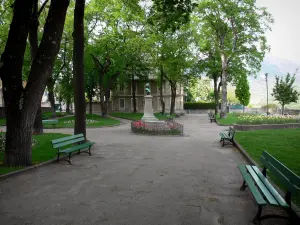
(238,28)
(21,103)
(284,92)
(78,69)
(242,90)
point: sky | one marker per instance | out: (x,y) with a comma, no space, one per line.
(285,35)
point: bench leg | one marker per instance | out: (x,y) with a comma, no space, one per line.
(244,185)
(69,160)
(57,157)
(223,143)
(90,150)
(257,218)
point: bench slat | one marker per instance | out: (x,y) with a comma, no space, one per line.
(283,180)
(282,168)
(272,190)
(62,144)
(77,147)
(50,121)
(255,192)
(66,138)
(268,196)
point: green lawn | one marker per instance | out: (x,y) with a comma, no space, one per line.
(229,120)
(2,122)
(91,121)
(136,116)
(41,152)
(283,144)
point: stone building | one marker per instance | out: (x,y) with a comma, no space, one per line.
(121,99)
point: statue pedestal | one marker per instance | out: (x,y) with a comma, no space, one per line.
(148,110)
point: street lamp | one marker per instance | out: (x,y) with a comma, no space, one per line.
(266,75)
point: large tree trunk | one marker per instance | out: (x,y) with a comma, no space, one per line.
(50,86)
(224,60)
(173,97)
(133,84)
(161,91)
(21,103)
(78,55)
(103,105)
(33,41)
(68,104)
(216,94)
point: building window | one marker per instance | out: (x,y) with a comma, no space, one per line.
(121,103)
(121,88)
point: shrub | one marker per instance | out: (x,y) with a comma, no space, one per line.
(199,105)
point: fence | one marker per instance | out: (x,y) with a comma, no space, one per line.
(157,128)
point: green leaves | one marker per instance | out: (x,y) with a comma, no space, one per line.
(284,92)
(242,90)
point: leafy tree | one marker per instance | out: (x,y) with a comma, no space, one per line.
(238,28)
(284,92)
(242,90)
(21,103)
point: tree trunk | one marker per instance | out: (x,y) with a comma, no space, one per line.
(78,56)
(33,41)
(50,86)
(68,103)
(224,60)
(133,84)
(21,103)
(216,94)
(282,109)
(161,91)
(173,97)
(102,105)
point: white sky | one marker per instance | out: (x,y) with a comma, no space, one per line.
(285,35)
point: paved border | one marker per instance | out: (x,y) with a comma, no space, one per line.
(252,162)
(27,169)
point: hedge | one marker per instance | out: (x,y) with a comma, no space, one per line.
(198,105)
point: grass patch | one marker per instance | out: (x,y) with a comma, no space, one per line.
(2,122)
(231,119)
(41,152)
(91,121)
(136,116)
(48,115)
(283,144)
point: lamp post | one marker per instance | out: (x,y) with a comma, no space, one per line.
(266,75)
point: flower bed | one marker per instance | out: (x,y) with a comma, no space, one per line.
(88,121)
(157,128)
(261,119)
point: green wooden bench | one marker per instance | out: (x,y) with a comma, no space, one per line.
(74,143)
(263,191)
(212,117)
(51,122)
(227,137)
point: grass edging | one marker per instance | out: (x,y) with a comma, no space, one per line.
(27,169)
(252,162)
(223,125)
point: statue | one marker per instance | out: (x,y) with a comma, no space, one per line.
(147,89)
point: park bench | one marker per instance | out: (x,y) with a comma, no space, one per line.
(51,122)
(70,144)
(263,191)
(212,117)
(227,136)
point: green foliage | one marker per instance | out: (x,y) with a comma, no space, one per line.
(197,105)
(242,90)
(284,92)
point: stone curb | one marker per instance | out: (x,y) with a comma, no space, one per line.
(252,162)
(27,169)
